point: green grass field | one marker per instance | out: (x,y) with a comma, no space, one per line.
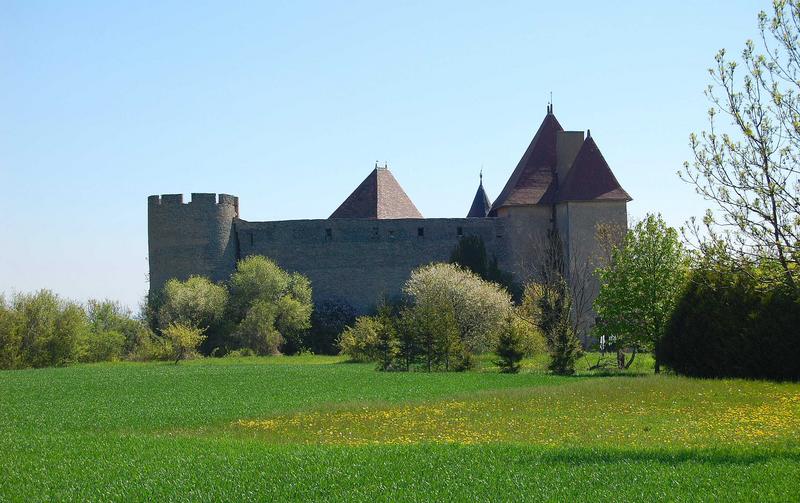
(315,428)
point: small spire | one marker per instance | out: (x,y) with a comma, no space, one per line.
(588,133)
(480,176)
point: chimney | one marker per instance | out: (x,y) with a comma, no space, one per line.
(568,143)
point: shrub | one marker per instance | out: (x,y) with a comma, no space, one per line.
(103,346)
(150,347)
(510,347)
(184,340)
(729,324)
(361,341)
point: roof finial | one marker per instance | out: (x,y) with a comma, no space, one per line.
(385,164)
(588,133)
(481,175)
(376,164)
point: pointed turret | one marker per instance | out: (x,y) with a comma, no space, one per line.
(480,204)
(531,181)
(590,178)
(379,196)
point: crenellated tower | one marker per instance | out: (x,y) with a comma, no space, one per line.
(194,238)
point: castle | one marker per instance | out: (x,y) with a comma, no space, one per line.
(366,249)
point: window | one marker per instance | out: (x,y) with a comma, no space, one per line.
(328,233)
(421,231)
(459,231)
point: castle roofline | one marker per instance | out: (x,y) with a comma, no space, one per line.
(379,196)
(591,178)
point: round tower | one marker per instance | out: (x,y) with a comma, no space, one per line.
(191,239)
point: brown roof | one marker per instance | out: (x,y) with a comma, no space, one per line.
(378,196)
(590,178)
(531,181)
(480,204)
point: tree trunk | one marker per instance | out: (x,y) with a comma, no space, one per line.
(620,359)
(633,356)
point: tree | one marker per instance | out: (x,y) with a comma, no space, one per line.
(49,330)
(470,253)
(749,166)
(10,338)
(198,303)
(360,342)
(447,292)
(281,303)
(184,340)
(328,320)
(510,346)
(641,286)
(114,332)
(548,307)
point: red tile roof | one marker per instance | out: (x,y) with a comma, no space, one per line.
(532,179)
(590,178)
(378,196)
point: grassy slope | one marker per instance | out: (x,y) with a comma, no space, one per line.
(300,428)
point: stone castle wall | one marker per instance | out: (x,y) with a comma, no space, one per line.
(194,238)
(359,261)
(362,261)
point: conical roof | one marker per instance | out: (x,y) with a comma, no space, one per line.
(378,196)
(480,204)
(590,178)
(532,179)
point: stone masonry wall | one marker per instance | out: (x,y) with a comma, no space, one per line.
(194,238)
(363,261)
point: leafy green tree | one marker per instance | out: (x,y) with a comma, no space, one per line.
(281,300)
(184,340)
(196,302)
(641,286)
(747,163)
(258,330)
(510,346)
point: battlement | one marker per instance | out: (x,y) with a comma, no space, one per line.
(197,199)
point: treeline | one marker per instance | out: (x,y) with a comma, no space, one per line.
(43,330)
(260,310)
(704,312)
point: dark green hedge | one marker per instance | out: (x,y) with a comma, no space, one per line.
(728,324)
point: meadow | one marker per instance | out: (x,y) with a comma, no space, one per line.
(318,428)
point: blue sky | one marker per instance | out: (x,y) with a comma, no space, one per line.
(288,105)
